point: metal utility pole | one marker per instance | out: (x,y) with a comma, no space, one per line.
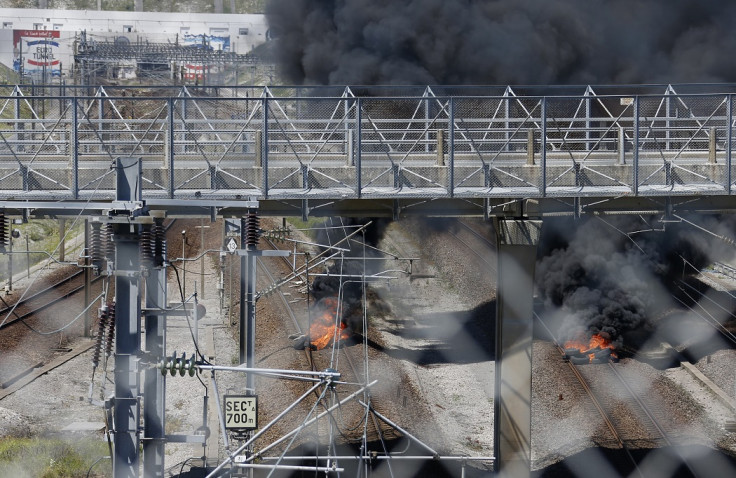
(184,265)
(201,228)
(154,398)
(249,234)
(126,414)
(87,276)
(9,287)
(248,244)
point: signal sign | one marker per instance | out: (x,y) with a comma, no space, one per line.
(232,228)
(241,412)
(232,246)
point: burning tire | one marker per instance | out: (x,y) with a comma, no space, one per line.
(595,350)
(579,359)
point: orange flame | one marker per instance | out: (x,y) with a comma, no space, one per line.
(596,343)
(327,327)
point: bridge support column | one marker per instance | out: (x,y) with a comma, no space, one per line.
(517,241)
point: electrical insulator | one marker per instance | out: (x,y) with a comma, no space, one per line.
(100,336)
(146,249)
(3,231)
(110,329)
(95,248)
(159,245)
(109,244)
(252,232)
(181,364)
(174,364)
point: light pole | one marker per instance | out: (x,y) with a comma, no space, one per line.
(201,228)
(183,265)
(15,233)
(28,260)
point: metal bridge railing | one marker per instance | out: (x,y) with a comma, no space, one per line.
(346,146)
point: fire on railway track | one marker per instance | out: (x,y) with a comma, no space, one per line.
(597,349)
(326,328)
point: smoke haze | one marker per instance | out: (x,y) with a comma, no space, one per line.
(599,279)
(454,42)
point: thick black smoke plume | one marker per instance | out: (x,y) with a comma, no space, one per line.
(454,42)
(613,275)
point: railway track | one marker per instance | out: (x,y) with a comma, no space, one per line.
(34,338)
(18,319)
(290,312)
(625,406)
(43,299)
(474,250)
(346,357)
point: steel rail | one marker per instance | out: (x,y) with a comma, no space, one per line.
(472,249)
(641,405)
(41,292)
(39,308)
(308,350)
(594,399)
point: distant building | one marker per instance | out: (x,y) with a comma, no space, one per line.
(42,42)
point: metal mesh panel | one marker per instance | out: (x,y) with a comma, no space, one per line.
(679,149)
(311,146)
(133,127)
(217,144)
(587,139)
(496,140)
(403,145)
(34,144)
(95,133)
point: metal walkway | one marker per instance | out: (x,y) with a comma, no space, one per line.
(320,151)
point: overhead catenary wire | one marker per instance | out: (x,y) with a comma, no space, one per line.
(61,241)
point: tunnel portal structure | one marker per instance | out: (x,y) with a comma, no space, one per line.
(130,157)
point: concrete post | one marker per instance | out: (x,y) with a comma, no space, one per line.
(440,147)
(350,158)
(517,250)
(530,147)
(259,149)
(712,145)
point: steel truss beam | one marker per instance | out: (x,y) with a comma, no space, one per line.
(314,151)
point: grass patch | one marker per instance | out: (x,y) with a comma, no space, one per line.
(307,227)
(53,458)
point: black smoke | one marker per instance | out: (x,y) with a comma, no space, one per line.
(343,274)
(615,275)
(514,42)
